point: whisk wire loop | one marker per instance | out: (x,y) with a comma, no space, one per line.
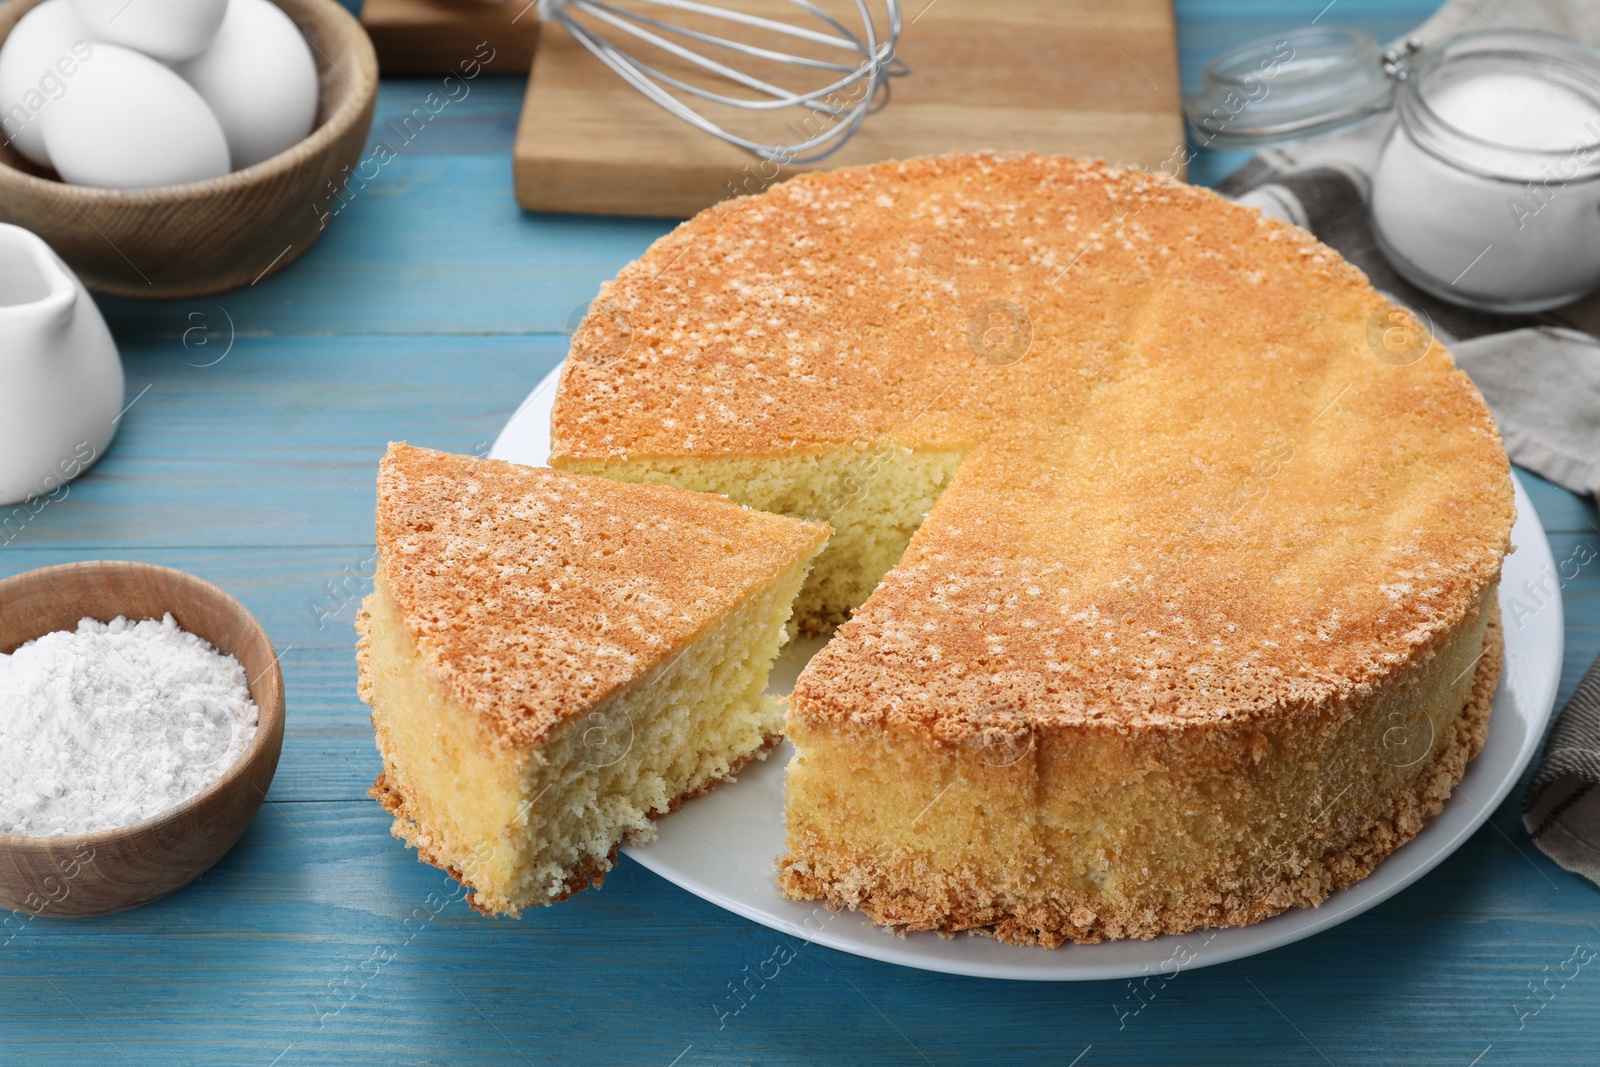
(845,101)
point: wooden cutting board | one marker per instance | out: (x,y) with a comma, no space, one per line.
(1081,77)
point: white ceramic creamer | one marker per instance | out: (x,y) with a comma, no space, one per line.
(60,375)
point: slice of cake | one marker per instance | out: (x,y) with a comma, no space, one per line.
(553,660)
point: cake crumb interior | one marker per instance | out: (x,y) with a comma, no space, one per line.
(874,497)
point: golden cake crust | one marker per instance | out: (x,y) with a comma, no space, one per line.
(534,595)
(945,901)
(1214,423)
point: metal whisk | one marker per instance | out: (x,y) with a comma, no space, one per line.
(850,91)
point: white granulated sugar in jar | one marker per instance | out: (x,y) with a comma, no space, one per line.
(1515,111)
(114,724)
(1516,219)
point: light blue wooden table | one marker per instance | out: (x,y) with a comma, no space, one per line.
(431,306)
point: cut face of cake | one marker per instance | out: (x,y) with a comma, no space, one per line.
(1171,545)
(552,661)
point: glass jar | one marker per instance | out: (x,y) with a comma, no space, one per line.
(1487,191)
(1301,85)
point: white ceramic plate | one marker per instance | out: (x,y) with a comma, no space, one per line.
(722,846)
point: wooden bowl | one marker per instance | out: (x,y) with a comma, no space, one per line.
(110,870)
(207,237)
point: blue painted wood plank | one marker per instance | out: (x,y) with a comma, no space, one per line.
(278,443)
(432,244)
(1559,510)
(449,114)
(321,940)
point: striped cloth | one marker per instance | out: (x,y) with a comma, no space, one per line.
(1562,806)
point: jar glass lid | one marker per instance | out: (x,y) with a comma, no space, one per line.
(1295,86)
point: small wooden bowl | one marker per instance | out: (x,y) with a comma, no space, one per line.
(107,871)
(211,236)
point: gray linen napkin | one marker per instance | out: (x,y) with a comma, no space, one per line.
(1540,375)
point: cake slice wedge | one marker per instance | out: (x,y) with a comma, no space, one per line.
(552,660)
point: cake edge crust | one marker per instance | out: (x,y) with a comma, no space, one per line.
(1337,869)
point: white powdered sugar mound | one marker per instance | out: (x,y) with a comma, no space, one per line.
(115,724)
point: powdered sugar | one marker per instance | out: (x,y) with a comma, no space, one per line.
(114,724)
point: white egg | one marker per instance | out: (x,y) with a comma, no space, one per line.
(169,30)
(260,80)
(127,122)
(39,58)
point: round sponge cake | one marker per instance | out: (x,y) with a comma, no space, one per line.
(1168,547)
